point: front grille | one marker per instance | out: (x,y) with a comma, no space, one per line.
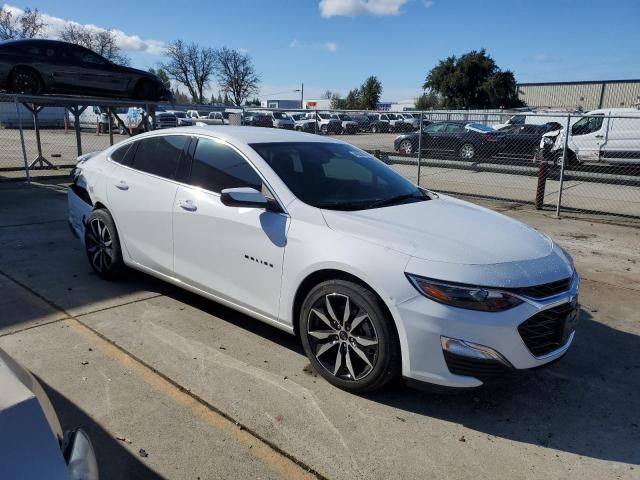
(486,370)
(543,291)
(546,331)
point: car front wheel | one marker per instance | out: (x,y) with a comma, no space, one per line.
(26,81)
(348,336)
(406,146)
(102,245)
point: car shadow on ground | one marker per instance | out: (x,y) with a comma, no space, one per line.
(586,404)
(114,460)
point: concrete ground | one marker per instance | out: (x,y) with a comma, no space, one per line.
(210,393)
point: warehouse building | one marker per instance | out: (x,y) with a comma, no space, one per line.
(581,95)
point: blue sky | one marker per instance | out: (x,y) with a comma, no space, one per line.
(336,44)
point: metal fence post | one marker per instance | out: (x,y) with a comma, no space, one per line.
(564,161)
(420,146)
(24,148)
(315,129)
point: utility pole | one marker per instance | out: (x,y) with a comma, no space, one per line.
(302,95)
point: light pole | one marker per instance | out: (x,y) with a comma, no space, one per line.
(301,90)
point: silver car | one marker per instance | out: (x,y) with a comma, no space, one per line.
(32,442)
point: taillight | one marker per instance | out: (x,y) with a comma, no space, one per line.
(490,137)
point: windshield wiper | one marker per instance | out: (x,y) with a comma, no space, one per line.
(345,205)
(398,198)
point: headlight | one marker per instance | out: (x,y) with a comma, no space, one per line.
(548,140)
(464,296)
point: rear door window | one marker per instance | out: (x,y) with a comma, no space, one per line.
(124,154)
(160,155)
(217,166)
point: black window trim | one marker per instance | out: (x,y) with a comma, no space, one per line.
(194,143)
(135,142)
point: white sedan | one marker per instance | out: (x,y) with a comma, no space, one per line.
(378,277)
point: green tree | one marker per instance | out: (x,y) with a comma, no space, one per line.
(473,81)
(428,101)
(162,75)
(370,93)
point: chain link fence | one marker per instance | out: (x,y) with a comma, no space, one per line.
(525,157)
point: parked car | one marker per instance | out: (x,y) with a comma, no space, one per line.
(281,120)
(36,66)
(326,123)
(539,117)
(164,120)
(323,241)
(411,120)
(609,135)
(32,442)
(302,123)
(395,123)
(468,141)
(378,123)
(216,118)
(363,121)
(523,140)
(181,117)
(347,124)
(257,119)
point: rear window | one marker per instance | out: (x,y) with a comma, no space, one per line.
(160,155)
(123,155)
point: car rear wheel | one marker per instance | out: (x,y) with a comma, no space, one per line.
(102,245)
(375,129)
(26,81)
(467,152)
(348,336)
(406,146)
(324,129)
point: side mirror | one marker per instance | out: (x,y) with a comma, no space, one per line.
(246,197)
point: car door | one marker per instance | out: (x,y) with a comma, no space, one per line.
(622,140)
(454,136)
(230,252)
(588,136)
(83,70)
(432,137)
(141,199)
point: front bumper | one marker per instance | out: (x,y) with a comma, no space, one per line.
(426,322)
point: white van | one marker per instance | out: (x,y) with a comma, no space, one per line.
(608,135)
(90,117)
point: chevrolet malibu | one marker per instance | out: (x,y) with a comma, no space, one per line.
(378,277)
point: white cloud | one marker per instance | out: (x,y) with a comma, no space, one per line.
(328,46)
(352,8)
(541,57)
(130,43)
(428,3)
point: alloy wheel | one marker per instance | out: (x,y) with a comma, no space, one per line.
(342,337)
(99,245)
(406,147)
(467,151)
(25,82)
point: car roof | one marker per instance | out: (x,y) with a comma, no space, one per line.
(41,41)
(246,135)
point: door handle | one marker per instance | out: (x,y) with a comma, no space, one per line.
(599,136)
(187,205)
(122,185)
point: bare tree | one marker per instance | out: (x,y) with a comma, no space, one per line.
(190,65)
(236,74)
(103,42)
(29,24)
(328,94)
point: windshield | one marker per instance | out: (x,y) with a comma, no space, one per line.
(392,116)
(324,115)
(337,176)
(345,117)
(179,114)
(280,115)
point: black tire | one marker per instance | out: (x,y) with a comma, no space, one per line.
(467,152)
(374,129)
(341,360)
(324,129)
(102,246)
(26,81)
(145,90)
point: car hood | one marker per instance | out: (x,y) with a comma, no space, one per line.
(444,230)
